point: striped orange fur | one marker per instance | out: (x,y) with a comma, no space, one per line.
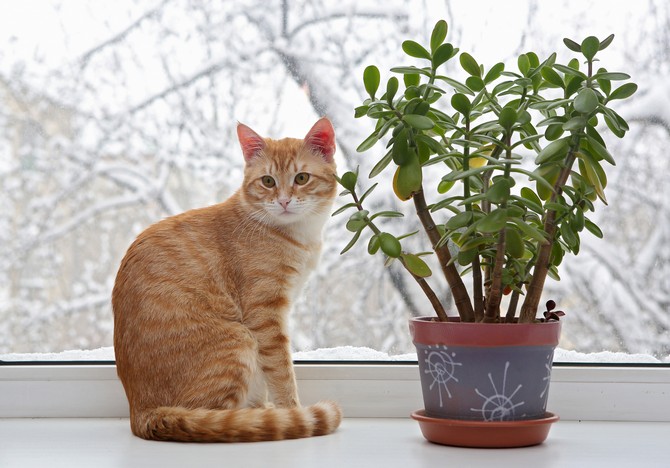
(201,302)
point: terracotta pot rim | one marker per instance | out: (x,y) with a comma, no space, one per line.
(428,331)
(548,418)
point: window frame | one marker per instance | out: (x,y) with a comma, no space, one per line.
(578,392)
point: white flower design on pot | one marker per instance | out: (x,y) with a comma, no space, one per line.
(498,406)
(441,366)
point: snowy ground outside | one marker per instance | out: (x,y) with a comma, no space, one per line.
(343,353)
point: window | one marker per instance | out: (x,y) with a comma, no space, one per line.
(113,116)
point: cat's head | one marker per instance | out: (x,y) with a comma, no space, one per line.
(289,180)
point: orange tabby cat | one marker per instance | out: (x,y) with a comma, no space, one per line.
(201,302)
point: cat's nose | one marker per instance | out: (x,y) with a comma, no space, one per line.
(284,202)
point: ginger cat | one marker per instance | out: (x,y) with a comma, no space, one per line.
(201,302)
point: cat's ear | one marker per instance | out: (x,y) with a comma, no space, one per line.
(321,138)
(251,142)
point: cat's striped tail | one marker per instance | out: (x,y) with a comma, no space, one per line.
(236,425)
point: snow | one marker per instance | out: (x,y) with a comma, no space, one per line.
(343,354)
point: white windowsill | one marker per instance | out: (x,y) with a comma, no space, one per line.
(370,443)
(606,414)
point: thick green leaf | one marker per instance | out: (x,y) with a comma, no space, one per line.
(371,79)
(381,165)
(591,170)
(499,192)
(494,73)
(549,104)
(502,87)
(389,244)
(411,79)
(493,222)
(530,230)
(548,63)
(414,49)
(351,243)
(444,186)
(387,214)
(460,220)
(442,54)
(593,228)
(569,236)
(606,42)
(507,118)
(420,122)
(408,179)
(373,244)
(542,182)
(411,70)
(457,85)
(461,103)
(391,89)
(438,35)
(614,76)
(572,45)
(534,201)
(586,101)
(600,150)
(527,141)
(553,132)
(368,192)
(470,65)
(514,243)
(575,124)
(475,83)
(573,85)
(552,77)
(523,62)
(554,150)
(475,242)
(416,265)
(569,71)
(590,47)
(368,143)
(343,208)
(357,221)
(605,85)
(401,151)
(457,175)
(360,111)
(623,92)
(348,180)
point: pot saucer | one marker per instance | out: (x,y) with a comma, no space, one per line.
(484,434)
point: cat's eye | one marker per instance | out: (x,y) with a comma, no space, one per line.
(268,181)
(302,178)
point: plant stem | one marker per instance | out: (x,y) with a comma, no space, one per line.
(460,293)
(495,292)
(423,284)
(430,294)
(536,285)
(511,308)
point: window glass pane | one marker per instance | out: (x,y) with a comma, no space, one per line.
(114,115)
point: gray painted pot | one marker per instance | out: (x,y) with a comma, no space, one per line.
(484,372)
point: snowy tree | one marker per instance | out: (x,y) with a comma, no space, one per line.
(113,116)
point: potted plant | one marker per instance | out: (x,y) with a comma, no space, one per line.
(519,159)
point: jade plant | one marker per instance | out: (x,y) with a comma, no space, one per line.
(521,156)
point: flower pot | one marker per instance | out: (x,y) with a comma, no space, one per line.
(484,373)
